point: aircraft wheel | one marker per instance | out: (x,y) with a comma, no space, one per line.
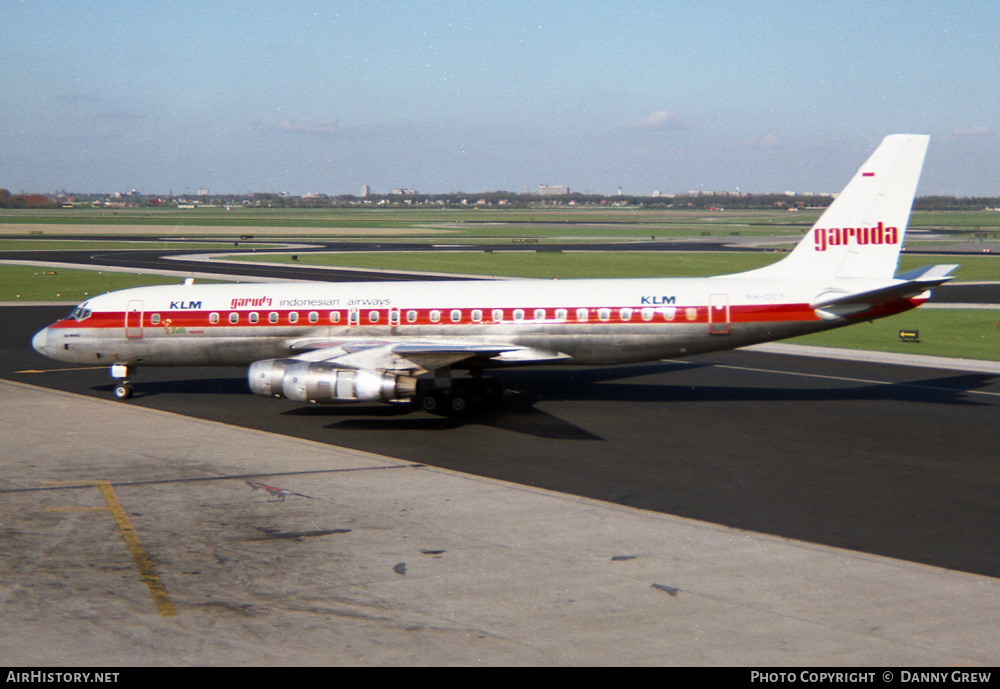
(458,404)
(432,402)
(123,391)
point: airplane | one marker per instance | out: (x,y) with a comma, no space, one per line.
(402,341)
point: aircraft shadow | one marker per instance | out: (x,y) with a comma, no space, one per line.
(518,412)
(189,386)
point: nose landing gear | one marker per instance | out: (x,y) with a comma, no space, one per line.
(123,390)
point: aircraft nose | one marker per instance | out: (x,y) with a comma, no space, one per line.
(41,340)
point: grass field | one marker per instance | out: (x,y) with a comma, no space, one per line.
(564,223)
(388,218)
(112,245)
(592,264)
(962,333)
(33,283)
(530,264)
(219,216)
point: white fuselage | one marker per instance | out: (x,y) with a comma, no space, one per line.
(574,321)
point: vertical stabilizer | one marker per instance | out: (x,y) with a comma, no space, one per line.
(860,235)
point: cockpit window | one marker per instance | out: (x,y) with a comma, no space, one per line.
(80,313)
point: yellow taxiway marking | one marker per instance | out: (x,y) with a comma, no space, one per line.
(139,555)
(57,370)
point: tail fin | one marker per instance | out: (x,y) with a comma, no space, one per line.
(861,233)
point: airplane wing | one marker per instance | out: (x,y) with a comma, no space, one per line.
(916,282)
(415,356)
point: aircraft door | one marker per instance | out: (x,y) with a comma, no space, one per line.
(718,314)
(133,318)
(353,317)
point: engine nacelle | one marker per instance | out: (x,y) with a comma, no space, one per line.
(304,381)
(265,376)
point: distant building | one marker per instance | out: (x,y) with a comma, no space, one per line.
(552,190)
(365,191)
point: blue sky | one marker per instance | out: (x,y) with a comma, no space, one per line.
(475,96)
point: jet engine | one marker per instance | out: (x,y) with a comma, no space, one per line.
(304,381)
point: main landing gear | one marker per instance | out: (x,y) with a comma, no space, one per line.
(463,397)
(123,390)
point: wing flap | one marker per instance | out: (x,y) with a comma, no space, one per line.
(414,356)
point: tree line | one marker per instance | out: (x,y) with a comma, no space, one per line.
(8,200)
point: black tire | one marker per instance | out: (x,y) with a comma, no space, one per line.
(431,402)
(458,404)
(123,391)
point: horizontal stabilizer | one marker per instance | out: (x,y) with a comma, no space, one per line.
(916,282)
(929,272)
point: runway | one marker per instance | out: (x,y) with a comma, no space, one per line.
(891,460)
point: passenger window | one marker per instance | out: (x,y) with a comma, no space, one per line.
(411,316)
(254,317)
(581,314)
(293,317)
(497,315)
(373,316)
(234,317)
(604,314)
(313,317)
(435,316)
(647,314)
(335,316)
(213,318)
(539,314)
(626,314)
(155,319)
(518,314)
(272,317)
(456,316)
(560,314)
(477,315)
